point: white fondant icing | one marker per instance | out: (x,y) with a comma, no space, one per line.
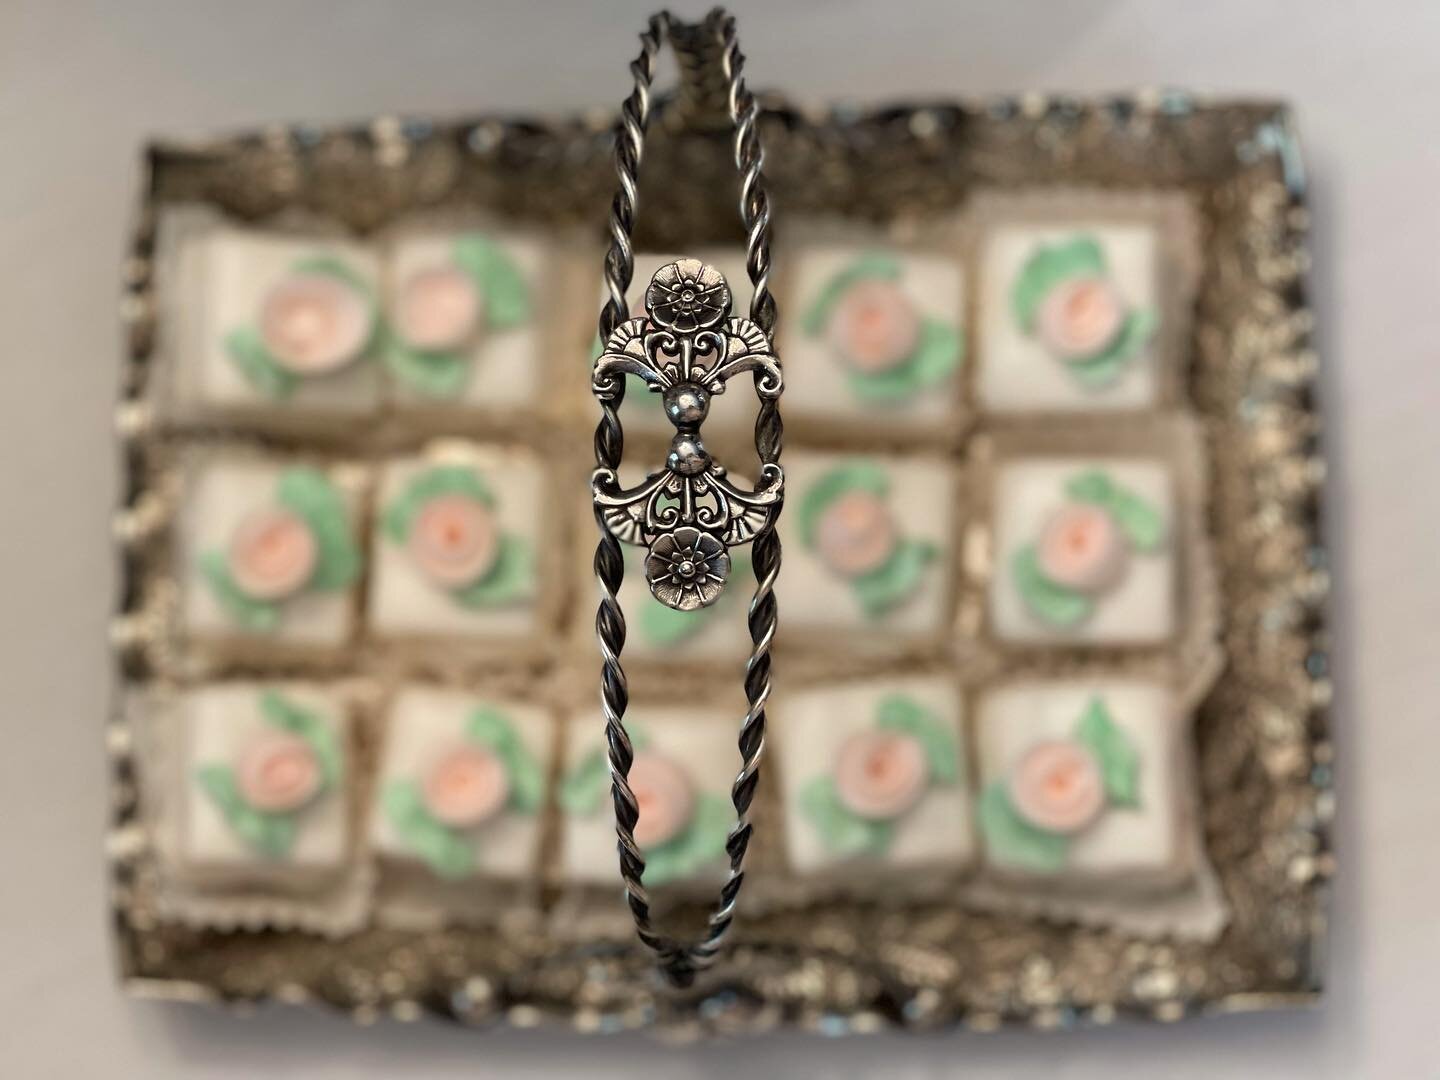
(219,722)
(810,729)
(1016,371)
(1128,847)
(423,723)
(1138,609)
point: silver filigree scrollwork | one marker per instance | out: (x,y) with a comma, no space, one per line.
(689,514)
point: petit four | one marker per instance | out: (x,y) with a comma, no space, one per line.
(1069,317)
(458,542)
(1085,551)
(269,552)
(681,778)
(878,338)
(268,327)
(462,323)
(265,779)
(1086,782)
(462,785)
(867,545)
(874,772)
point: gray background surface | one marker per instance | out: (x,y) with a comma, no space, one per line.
(81,84)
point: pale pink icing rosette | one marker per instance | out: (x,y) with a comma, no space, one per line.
(278,772)
(313,324)
(1057,786)
(455,540)
(874,326)
(880,774)
(1082,548)
(664,795)
(465,786)
(856,534)
(1080,317)
(438,308)
(272,554)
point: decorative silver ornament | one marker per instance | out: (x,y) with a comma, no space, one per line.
(686,350)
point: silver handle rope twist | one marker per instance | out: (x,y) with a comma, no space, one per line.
(747,515)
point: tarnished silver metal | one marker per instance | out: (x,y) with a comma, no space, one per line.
(688,514)
(685,349)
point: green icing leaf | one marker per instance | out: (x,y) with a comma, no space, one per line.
(491,729)
(1014,840)
(852,475)
(310,494)
(441,848)
(260,616)
(1053,603)
(439,375)
(1105,366)
(702,842)
(248,353)
(937,354)
(841,831)
(583,788)
(270,834)
(440,480)
(1141,523)
(887,586)
(870,265)
(1118,758)
(896,712)
(1047,267)
(511,578)
(507,300)
(283,713)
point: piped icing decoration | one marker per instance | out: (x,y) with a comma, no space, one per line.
(300,543)
(440,814)
(1057,789)
(879,775)
(1084,549)
(891,351)
(441,311)
(277,775)
(447,520)
(1064,297)
(317,319)
(680,829)
(846,520)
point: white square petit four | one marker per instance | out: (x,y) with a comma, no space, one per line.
(265,778)
(268,552)
(681,776)
(462,785)
(464,320)
(270,326)
(1085,552)
(1069,317)
(875,338)
(868,546)
(460,538)
(1086,782)
(873,774)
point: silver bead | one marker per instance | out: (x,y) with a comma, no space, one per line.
(688,456)
(686,404)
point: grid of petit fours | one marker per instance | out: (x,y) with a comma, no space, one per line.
(356,589)
(396,498)
(995,508)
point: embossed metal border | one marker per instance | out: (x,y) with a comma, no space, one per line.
(1265,751)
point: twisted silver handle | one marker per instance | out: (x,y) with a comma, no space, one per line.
(650,348)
